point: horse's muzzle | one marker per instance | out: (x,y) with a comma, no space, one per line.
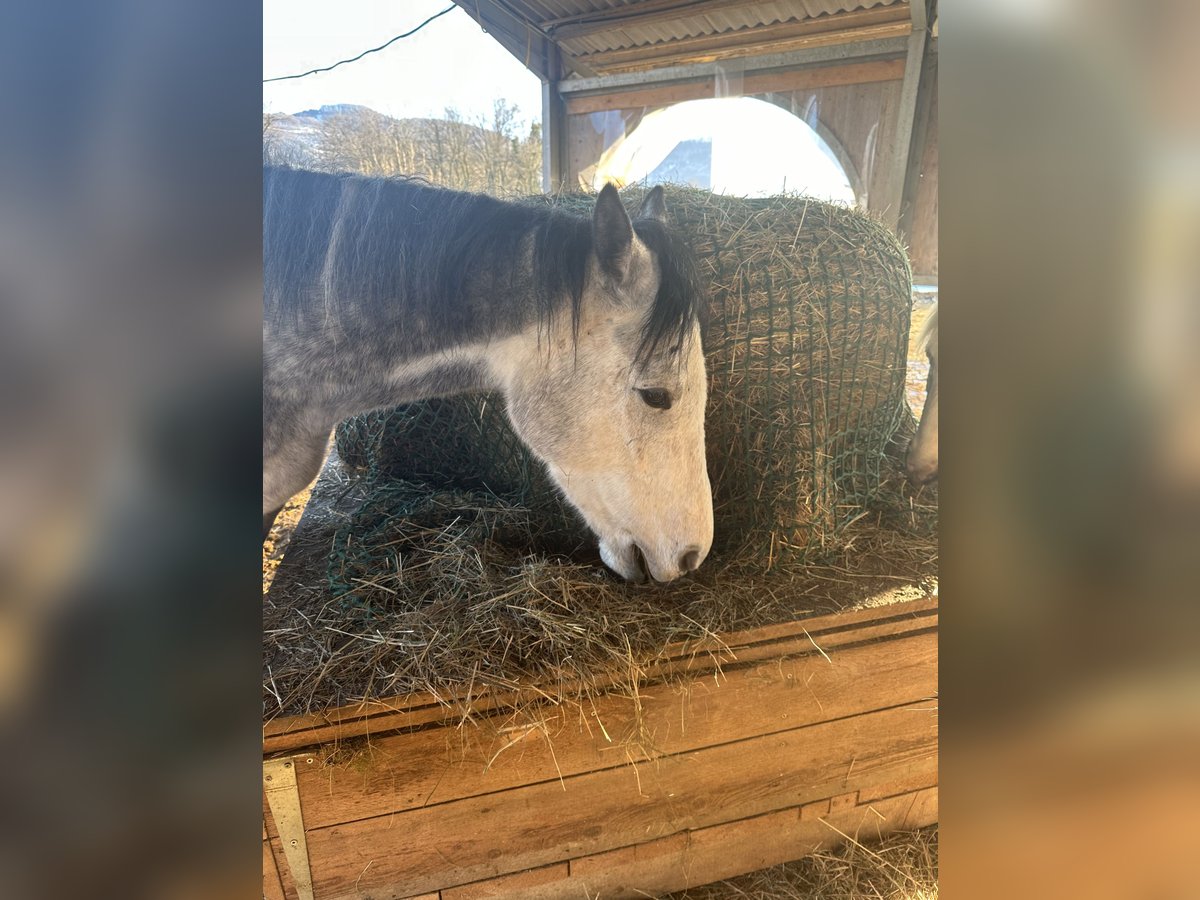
(921,475)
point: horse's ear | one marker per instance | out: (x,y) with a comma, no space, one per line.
(655,205)
(612,234)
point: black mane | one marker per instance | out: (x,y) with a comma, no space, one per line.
(682,298)
(442,267)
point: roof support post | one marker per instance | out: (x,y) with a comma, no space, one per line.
(905,115)
(920,139)
(554,126)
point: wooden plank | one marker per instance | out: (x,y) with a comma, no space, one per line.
(689,859)
(520,884)
(405,771)
(534,825)
(272,884)
(734,848)
(750,42)
(292,733)
(922,812)
(912,780)
(757,83)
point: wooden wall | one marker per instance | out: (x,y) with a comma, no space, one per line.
(862,119)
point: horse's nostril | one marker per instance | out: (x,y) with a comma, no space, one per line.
(690,561)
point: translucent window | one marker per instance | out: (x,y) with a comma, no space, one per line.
(739,145)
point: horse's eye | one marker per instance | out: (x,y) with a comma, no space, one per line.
(656,397)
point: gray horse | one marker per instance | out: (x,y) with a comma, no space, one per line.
(387,291)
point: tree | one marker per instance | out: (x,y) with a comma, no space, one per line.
(493,156)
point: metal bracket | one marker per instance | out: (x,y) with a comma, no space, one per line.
(283,796)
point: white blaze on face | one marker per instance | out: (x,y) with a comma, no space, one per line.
(656,500)
(635,471)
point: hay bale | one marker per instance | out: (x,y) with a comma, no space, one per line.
(475,450)
(806,349)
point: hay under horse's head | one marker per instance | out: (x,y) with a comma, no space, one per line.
(612,398)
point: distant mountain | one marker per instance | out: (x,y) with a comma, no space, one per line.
(294,139)
(689,163)
(335,109)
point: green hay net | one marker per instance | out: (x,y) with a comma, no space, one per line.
(806,349)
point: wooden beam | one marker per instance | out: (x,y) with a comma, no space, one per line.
(757,83)
(518,36)
(916,153)
(905,118)
(887,48)
(870,24)
(750,50)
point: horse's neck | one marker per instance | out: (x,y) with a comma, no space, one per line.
(488,363)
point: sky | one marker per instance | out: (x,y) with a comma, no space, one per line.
(450,62)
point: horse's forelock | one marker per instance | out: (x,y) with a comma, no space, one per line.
(681,300)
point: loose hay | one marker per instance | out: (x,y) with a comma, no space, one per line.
(470,573)
(902,866)
(388,589)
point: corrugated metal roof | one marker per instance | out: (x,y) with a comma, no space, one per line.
(647,30)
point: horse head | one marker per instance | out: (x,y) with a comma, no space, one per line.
(612,398)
